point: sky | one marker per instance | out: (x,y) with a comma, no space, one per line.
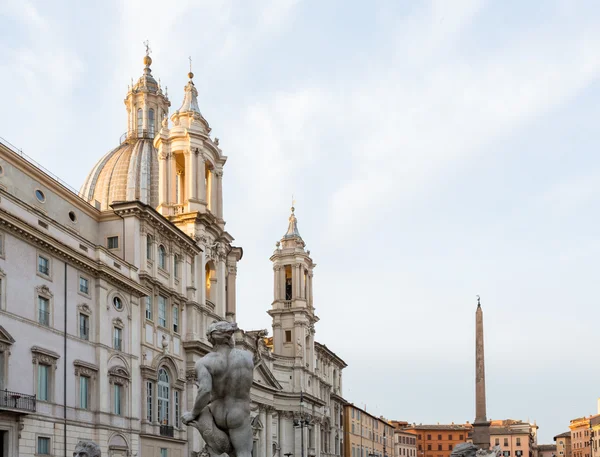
(436,151)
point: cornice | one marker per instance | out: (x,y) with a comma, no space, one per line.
(31,234)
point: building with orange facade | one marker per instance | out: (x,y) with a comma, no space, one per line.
(546,450)
(580,436)
(438,440)
(515,438)
(366,435)
(563,444)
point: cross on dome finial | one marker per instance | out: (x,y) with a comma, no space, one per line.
(293,203)
(147,59)
(478,301)
(190,74)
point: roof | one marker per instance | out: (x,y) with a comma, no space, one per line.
(508,431)
(333,355)
(459,427)
(563,435)
(546,447)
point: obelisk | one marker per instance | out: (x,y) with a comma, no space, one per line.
(481,426)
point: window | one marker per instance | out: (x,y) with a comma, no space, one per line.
(43,310)
(162,311)
(43,265)
(140,121)
(162,257)
(429,447)
(84,285)
(177,408)
(450,437)
(439,447)
(497,443)
(176,319)
(149,389)
(428,437)
(40,196)
(505,442)
(43,445)
(288,339)
(163,452)
(163,397)
(149,307)
(176,266)
(117,338)
(118,399)
(518,441)
(84,384)
(149,241)
(84,327)
(449,447)
(112,242)
(43,389)
(151,121)
(439,437)
(460,437)
(72,216)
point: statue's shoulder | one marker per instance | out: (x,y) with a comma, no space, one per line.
(243,356)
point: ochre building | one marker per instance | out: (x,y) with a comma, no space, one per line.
(438,440)
(366,435)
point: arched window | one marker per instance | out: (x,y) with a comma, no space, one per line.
(151,121)
(162,257)
(163,396)
(140,122)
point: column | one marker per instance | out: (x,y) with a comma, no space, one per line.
(200,178)
(219,202)
(276,270)
(143,257)
(231,296)
(269,432)
(181,187)
(163,178)
(172,177)
(297,292)
(214,193)
(190,185)
(310,288)
(221,275)
(262,445)
(280,435)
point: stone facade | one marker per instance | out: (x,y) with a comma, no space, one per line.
(405,443)
(580,436)
(138,264)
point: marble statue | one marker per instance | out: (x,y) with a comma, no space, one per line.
(87,449)
(221,411)
(471,450)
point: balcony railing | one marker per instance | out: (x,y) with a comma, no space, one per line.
(18,401)
(140,133)
(167,430)
(287,304)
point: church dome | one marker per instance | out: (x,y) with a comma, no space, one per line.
(128,172)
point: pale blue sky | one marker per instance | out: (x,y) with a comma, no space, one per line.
(437,150)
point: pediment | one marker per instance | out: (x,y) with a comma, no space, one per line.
(264,377)
(5,337)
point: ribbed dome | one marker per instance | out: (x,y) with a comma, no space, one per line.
(129,172)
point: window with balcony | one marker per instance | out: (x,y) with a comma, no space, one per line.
(163,396)
(177,414)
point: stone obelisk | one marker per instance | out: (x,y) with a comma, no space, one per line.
(481,426)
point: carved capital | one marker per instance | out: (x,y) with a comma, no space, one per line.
(190,375)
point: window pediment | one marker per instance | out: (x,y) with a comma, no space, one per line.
(85,369)
(6,340)
(44,290)
(84,308)
(44,356)
(119,376)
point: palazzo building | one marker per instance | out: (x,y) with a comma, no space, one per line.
(106,295)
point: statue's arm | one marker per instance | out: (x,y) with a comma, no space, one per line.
(204,383)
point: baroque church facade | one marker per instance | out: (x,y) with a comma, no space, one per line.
(106,295)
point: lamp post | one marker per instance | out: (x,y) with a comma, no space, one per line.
(301,422)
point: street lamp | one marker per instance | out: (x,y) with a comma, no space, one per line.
(303,420)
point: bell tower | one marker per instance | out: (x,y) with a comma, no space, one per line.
(292,310)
